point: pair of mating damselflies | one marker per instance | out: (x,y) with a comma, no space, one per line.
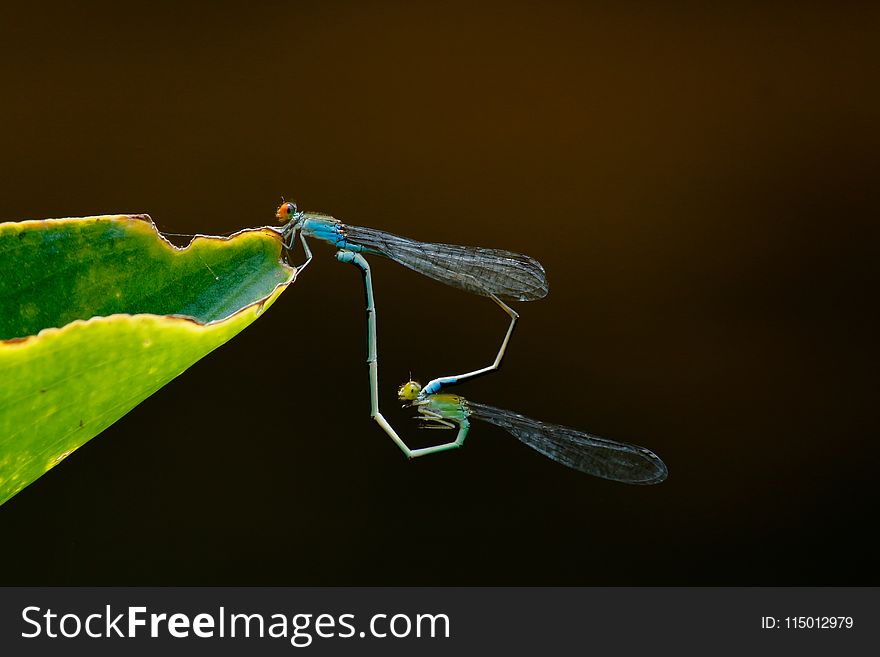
(499,275)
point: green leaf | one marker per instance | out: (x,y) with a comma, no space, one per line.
(98,313)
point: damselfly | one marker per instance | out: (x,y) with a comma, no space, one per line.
(600,457)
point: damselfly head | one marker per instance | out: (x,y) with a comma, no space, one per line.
(286,211)
(409,391)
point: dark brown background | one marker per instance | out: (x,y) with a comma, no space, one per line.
(699,183)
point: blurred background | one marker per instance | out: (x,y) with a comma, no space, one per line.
(700,184)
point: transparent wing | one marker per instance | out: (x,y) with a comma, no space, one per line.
(596,456)
(470,268)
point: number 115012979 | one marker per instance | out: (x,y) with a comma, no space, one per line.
(807,623)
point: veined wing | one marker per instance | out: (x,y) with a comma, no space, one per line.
(596,456)
(473,269)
